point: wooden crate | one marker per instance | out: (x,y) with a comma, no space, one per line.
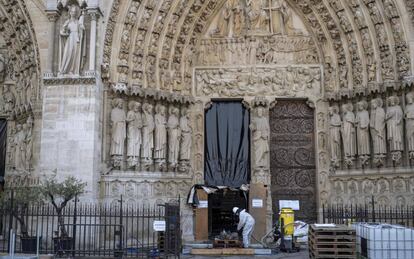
(332,242)
(227,243)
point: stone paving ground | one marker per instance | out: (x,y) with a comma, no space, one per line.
(301,255)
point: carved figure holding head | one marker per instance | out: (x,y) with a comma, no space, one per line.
(72,47)
(362,122)
(409,116)
(335,124)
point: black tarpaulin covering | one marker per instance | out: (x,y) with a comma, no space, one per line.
(227,150)
(3,138)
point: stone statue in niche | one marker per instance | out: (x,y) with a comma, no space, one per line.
(362,122)
(174,133)
(394,118)
(148,127)
(186,139)
(261,130)
(280,17)
(348,133)
(134,120)
(377,129)
(239,19)
(409,116)
(335,124)
(118,124)
(160,147)
(72,47)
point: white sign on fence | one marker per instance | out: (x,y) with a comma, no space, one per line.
(159,225)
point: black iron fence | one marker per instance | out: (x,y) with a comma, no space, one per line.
(348,214)
(117,230)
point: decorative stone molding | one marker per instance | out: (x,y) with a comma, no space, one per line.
(83,80)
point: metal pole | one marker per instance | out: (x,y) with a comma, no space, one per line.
(11,217)
(121,225)
(74,226)
(373,208)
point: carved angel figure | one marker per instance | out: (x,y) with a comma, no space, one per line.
(71,43)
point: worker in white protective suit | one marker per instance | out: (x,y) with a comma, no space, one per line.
(246,221)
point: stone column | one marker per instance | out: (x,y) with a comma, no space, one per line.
(94,13)
(52,17)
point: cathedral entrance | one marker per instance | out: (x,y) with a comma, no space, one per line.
(292,162)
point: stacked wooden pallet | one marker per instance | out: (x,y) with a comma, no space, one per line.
(332,242)
(226,243)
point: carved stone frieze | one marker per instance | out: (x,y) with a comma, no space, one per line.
(279,81)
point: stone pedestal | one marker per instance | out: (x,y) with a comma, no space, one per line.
(71,142)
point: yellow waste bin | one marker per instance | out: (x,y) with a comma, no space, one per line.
(288,217)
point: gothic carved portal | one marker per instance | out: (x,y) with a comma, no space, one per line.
(292,162)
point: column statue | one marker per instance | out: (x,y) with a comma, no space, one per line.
(134,120)
(20,148)
(348,133)
(377,129)
(72,48)
(186,136)
(148,127)
(394,118)
(335,124)
(173,137)
(118,123)
(160,149)
(261,130)
(409,116)
(362,122)
(28,142)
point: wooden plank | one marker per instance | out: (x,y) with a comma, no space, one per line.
(201,218)
(222,251)
(259,192)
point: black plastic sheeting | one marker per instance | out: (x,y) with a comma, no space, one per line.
(227,145)
(3,138)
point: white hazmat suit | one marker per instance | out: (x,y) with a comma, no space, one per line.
(246,221)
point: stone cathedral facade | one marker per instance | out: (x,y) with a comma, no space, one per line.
(114,92)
